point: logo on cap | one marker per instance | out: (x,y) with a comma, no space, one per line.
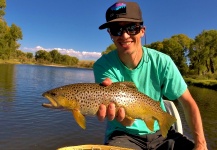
(117,8)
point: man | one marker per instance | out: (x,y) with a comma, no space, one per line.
(153,73)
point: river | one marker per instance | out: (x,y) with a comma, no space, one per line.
(25,124)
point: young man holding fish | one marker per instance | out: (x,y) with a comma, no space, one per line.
(153,73)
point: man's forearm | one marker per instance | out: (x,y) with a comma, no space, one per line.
(193,118)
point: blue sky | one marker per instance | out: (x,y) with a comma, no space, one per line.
(71,26)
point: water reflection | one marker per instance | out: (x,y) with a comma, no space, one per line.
(7,86)
(207,102)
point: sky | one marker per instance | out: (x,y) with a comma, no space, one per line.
(71,26)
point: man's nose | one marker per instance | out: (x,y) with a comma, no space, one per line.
(125,34)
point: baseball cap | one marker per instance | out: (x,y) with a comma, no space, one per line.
(122,11)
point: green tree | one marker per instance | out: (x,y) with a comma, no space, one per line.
(8,36)
(43,56)
(75,60)
(203,52)
(109,49)
(29,55)
(56,56)
(68,60)
(177,47)
(156,45)
(2,8)
(20,53)
(21,56)
(3,29)
(11,37)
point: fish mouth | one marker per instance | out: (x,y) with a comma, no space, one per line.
(52,104)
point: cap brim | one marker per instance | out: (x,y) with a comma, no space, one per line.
(108,24)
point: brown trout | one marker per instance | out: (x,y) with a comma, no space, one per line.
(85,98)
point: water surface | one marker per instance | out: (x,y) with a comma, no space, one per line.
(25,124)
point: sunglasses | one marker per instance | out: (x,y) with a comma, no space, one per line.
(131,29)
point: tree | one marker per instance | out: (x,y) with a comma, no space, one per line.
(43,56)
(177,47)
(109,49)
(56,56)
(21,55)
(8,36)
(3,29)
(156,45)
(68,60)
(2,7)
(29,55)
(13,34)
(174,50)
(203,52)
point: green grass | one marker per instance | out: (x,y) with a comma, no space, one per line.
(211,83)
(10,61)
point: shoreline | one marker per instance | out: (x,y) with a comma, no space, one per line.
(209,84)
(49,65)
(205,83)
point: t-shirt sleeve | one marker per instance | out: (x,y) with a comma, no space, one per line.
(173,83)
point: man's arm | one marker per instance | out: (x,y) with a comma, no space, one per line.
(193,118)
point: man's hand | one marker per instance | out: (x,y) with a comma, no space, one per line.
(109,112)
(200,147)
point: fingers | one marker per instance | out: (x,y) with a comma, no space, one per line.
(107,82)
(110,113)
(120,114)
(101,114)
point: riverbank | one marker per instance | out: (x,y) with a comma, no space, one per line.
(88,64)
(205,83)
(10,61)
(210,84)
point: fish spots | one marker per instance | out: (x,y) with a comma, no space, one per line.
(90,95)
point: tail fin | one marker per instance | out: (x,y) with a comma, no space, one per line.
(165,122)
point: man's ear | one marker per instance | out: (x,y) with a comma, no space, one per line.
(110,35)
(142,32)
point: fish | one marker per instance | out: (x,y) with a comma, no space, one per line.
(85,98)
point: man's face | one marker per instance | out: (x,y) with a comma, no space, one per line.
(127,36)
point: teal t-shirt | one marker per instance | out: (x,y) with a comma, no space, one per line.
(156,76)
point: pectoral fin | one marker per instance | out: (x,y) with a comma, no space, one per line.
(150,123)
(79,118)
(128,121)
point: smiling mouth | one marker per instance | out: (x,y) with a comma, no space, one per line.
(125,43)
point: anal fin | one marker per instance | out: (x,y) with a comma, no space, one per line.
(79,118)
